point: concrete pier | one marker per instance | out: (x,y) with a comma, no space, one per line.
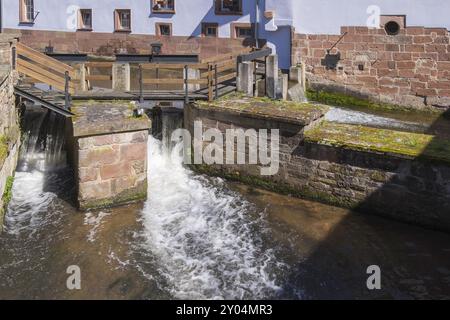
(272,76)
(109,154)
(246,78)
(121,76)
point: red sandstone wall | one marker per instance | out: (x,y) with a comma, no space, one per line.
(411,68)
(111,43)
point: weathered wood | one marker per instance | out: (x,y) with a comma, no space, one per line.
(39,77)
(99,64)
(153,66)
(254,55)
(226,56)
(226,77)
(210,83)
(49,62)
(98,77)
(198,81)
(44,73)
(163,81)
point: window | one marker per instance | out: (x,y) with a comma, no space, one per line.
(210,30)
(242,30)
(27,11)
(85,19)
(163,6)
(229,7)
(163,29)
(123,20)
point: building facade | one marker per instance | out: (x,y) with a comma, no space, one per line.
(391,50)
(269,20)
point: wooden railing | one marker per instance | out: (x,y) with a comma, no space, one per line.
(100,65)
(44,69)
(206,78)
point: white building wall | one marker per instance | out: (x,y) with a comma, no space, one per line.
(306,16)
(327,16)
(59,15)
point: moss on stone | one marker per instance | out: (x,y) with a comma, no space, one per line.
(6,198)
(136,194)
(277,186)
(345,100)
(7,194)
(412,145)
(3,149)
(266,107)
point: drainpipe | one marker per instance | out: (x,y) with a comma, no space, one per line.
(1,16)
(256,23)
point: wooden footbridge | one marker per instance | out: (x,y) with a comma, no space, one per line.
(53,84)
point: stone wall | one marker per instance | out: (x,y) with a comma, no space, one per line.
(411,68)
(112,169)
(112,43)
(9,120)
(403,189)
(108,150)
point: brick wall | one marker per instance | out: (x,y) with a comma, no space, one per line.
(410,69)
(111,43)
(399,188)
(9,119)
(112,169)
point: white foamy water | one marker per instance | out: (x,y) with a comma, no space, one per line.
(356,117)
(37,177)
(205,239)
(95,220)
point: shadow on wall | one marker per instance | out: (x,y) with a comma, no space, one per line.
(413,260)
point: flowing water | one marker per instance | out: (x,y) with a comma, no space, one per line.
(199,237)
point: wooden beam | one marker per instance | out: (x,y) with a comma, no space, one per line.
(254,55)
(44,73)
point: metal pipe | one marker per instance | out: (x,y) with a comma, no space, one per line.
(186,84)
(141,85)
(66,90)
(1,16)
(257,24)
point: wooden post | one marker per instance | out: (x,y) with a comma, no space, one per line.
(255,66)
(210,83)
(141,85)
(88,73)
(66,90)
(186,84)
(216,82)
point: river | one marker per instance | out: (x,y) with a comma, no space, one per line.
(198,237)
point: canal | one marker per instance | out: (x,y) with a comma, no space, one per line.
(198,237)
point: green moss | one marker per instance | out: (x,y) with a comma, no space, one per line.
(128,196)
(266,107)
(276,186)
(345,100)
(362,138)
(7,194)
(3,149)
(6,198)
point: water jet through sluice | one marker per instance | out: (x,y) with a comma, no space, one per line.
(196,236)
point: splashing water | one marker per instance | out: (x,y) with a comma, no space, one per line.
(205,239)
(347,116)
(38,177)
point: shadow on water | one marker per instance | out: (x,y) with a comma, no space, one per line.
(414,261)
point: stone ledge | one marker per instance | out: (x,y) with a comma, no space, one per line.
(264,108)
(131,195)
(393,143)
(97,118)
